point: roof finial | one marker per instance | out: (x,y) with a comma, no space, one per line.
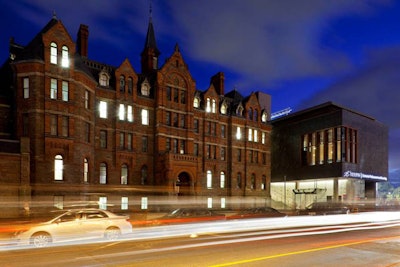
(150,9)
(54,14)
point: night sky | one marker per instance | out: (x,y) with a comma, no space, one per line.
(301,52)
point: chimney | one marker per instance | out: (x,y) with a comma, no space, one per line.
(218,81)
(82,41)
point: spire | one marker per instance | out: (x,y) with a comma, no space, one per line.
(150,51)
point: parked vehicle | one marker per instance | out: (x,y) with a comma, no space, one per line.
(259,212)
(189,215)
(75,225)
(325,208)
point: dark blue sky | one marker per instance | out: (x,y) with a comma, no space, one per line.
(301,52)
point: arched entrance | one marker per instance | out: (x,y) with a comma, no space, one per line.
(183,183)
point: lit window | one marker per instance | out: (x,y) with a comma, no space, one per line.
(144,203)
(129,113)
(85,170)
(58,168)
(222,180)
(223,203)
(224,109)
(103,109)
(124,174)
(121,112)
(26,87)
(103,173)
(208,105)
(65,91)
(264,117)
(213,106)
(264,182)
(209,202)
(53,89)
(53,53)
(103,203)
(250,136)
(103,79)
(238,133)
(263,138)
(255,136)
(64,57)
(145,117)
(196,102)
(209,179)
(124,203)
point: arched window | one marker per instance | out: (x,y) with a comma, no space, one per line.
(103,79)
(208,105)
(264,116)
(209,179)
(58,168)
(143,175)
(65,57)
(255,115)
(222,180)
(85,170)
(250,114)
(213,106)
(224,108)
(103,173)
(53,53)
(122,83)
(124,174)
(130,85)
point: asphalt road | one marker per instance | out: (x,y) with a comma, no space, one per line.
(356,244)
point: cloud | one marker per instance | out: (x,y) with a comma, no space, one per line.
(264,41)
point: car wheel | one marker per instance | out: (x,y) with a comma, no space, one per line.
(41,240)
(112,233)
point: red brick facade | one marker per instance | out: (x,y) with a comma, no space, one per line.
(190,140)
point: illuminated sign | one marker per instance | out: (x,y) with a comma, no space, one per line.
(361,175)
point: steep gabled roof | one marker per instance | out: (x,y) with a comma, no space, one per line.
(151,39)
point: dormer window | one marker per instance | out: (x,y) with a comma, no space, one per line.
(239,110)
(196,102)
(224,108)
(264,116)
(145,88)
(208,105)
(53,53)
(65,57)
(103,79)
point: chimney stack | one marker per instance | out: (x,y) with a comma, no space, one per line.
(218,82)
(82,41)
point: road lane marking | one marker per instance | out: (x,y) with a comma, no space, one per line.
(302,251)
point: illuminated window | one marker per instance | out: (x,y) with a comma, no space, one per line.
(264,182)
(213,106)
(124,203)
(209,202)
(321,147)
(103,173)
(255,136)
(53,53)
(64,57)
(103,109)
(103,79)
(144,203)
(238,133)
(65,93)
(196,102)
(264,117)
(129,113)
(85,170)
(223,203)
(330,145)
(121,112)
(263,138)
(58,168)
(103,203)
(339,133)
(224,108)
(124,174)
(53,89)
(209,179)
(250,135)
(145,117)
(26,87)
(222,180)
(208,105)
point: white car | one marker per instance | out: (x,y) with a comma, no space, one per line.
(76,225)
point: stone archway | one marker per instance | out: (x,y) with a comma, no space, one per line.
(184,184)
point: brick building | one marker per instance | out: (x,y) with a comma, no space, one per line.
(88,131)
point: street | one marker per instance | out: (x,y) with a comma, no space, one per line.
(355,244)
